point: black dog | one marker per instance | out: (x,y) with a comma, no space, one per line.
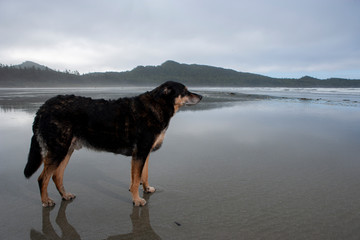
(129,126)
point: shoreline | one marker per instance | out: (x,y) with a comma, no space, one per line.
(29,99)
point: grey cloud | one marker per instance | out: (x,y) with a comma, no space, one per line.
(261,36)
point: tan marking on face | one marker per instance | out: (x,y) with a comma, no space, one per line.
(179,102)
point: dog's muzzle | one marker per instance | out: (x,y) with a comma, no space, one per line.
(193,99)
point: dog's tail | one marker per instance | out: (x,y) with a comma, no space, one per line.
(34,158)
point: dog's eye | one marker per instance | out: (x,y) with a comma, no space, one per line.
(185,93)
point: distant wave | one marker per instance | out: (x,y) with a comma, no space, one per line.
(341,96)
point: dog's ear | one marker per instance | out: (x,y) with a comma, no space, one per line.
(166,91)
(163,92)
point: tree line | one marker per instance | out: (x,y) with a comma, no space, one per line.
(189,74)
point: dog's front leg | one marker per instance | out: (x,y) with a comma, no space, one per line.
(145,176)
(137,165)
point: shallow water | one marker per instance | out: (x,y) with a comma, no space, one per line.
(264,168)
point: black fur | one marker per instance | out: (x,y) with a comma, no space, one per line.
(125,126)
(34,158)
(129,126)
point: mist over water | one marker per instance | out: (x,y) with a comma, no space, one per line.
(240,165)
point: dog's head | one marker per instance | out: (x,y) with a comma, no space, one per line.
(177,93)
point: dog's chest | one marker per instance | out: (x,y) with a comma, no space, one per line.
(159,140)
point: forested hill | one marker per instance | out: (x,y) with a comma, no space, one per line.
(31,74)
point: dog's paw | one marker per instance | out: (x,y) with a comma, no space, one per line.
(139,202)
(68,196)
(48,203)
(149,189)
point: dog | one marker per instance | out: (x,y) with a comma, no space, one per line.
(129,126)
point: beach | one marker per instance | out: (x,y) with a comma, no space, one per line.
(242,164)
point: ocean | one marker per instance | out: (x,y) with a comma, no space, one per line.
(245,163)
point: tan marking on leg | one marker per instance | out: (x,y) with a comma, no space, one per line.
(135,182)
(145,176)
(43,181)
(59,175)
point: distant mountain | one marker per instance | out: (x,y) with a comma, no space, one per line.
(189,74)
(29,64)
(31,74)
(202,75)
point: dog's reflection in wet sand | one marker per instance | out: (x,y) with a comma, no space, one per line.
(140,219)
(141,228)
(48,231)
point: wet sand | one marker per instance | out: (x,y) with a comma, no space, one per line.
(264,168)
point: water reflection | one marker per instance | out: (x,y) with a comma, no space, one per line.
(260,170)
(48,231)
(29,100)
(141,228)
(140,219)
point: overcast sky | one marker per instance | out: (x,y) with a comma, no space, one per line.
(279,38)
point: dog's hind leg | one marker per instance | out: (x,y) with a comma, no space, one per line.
(145,176)
(59,173)
(43,181)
